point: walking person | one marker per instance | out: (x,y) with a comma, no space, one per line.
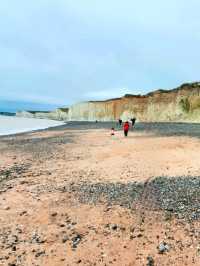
(120,121)
(126,128)
(133,121)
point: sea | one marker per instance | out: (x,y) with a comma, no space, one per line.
(10,124)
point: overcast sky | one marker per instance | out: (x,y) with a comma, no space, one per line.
(64,51)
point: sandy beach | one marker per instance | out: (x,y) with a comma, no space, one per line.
(74,195)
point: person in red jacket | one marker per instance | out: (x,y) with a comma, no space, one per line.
(126,128)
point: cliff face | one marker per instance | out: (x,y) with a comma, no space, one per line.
(180,105)
(58,114)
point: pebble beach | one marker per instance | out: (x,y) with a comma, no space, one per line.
(75,195)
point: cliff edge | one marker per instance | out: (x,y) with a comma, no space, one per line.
(177,105)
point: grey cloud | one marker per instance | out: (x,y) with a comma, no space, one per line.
(64,51)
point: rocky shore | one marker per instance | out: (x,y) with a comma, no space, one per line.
(77,196)
(179,195)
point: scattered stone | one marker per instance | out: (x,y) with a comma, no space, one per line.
(12,240)
(19,230)
(23,213)
(150,261)
(65,239)
(167,194)
(114,227)
(76,240)
(13,172)
(168,215)
(14,248)
(37,239)
(40,253)
(198,251)
(163,247)
(23,182)
(62,225)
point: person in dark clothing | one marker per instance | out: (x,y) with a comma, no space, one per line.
(120,122)
(133,121)
(126,128)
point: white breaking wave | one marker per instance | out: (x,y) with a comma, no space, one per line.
(12,125)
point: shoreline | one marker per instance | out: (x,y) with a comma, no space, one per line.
(158,128)
(32,131)
(29,128)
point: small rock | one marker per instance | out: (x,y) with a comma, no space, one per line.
(163,247)
(62,225)
(12,240)
(23,213)
(76,240)
(39,253)
(198,251)
(19,230)
(37,239)
(65,239)
(150,261)
(14,248)
(114,227)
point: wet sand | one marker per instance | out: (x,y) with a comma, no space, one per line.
(74,195)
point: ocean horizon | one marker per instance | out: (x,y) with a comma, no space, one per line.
(13,125)
(14,106)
